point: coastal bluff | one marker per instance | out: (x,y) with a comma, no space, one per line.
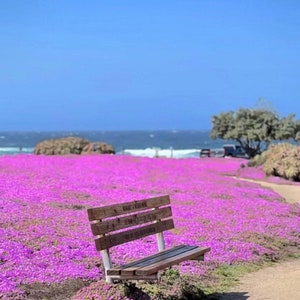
(72,145)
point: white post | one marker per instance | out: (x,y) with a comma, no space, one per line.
(107,264)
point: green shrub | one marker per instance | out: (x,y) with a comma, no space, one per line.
(258,160)
(281,160)
(72,145)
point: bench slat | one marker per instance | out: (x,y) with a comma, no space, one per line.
(108,241)
(117,270)
(157,260)
(134,277)
(188,255)
(131,220)
(99,213)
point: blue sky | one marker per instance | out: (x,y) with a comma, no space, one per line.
(166,64)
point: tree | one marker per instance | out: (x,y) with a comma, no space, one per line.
(287,128)
(252,128)
(297,131)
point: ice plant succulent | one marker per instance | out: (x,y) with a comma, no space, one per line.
(44,232)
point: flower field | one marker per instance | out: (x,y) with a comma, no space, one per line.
(45,236)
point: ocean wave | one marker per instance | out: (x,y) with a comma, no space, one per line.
(15,150)
(147,152)
(157,152)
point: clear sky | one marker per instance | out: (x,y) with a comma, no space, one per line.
(159,64)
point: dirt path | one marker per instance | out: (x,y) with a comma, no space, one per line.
(279,282)
(291,193)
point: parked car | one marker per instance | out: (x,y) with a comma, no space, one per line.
(234,151)
(205,152)
(214,152)
(225,151)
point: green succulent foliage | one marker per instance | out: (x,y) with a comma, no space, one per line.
(283,160)
(253,129)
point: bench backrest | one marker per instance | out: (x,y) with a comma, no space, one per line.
(120,223)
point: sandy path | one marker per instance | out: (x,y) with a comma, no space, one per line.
(279,282)
(291,193)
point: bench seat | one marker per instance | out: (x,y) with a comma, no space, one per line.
(150,265)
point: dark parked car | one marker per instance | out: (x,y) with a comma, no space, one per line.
(205,152)
(234,151)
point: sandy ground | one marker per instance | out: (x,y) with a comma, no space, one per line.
(291,193)
(279,282)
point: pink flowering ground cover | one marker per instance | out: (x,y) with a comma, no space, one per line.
(45,235)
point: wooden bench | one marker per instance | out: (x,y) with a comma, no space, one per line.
(139,219)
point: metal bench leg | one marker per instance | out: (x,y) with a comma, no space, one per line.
(107,264)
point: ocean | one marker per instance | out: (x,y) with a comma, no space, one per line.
(163,143)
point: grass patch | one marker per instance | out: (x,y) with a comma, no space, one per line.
(225,277)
